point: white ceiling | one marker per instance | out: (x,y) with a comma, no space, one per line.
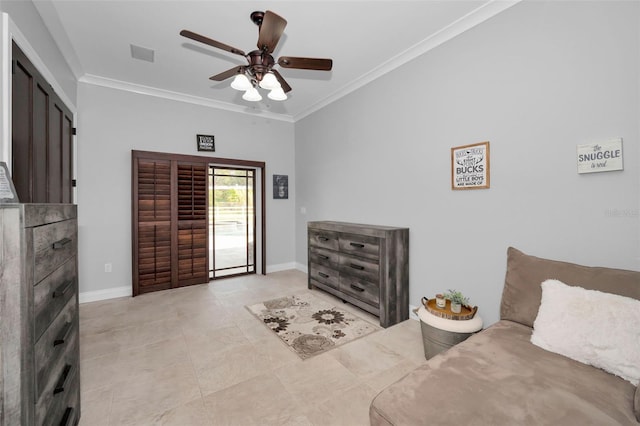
(365,39)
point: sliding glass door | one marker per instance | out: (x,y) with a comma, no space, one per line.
(232,221)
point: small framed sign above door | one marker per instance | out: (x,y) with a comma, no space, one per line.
(206,143)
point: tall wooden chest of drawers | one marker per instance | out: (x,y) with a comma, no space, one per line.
(365,265)
(39,334)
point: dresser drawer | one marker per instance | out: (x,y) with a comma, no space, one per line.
(54,344)
(62,388)
(52,294)
(360,245)
(63,407)
(70,414)
(324,257)
(325,275)
(360,289)
(52,245)
(363,268)
(324,239)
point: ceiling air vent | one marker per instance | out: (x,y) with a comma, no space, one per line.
(142,53)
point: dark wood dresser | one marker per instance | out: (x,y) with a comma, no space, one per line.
(39,334)
(365,265)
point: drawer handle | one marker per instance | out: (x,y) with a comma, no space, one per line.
(67,416)
(60,291)
(321,238)
(63,335)
(358,267)
(355,287)
(356,245)
(323,275)
(59,245)
(61,381)
(324,257)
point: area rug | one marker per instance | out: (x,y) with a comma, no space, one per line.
(309,325)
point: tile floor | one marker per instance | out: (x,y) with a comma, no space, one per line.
(196,356)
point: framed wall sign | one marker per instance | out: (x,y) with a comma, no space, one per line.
(8,192)
(280,187)
(600,157)
(206,143)
(470,166)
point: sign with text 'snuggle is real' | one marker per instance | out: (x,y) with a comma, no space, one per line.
(600,156)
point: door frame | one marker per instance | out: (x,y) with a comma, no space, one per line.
(211,168)
(258,165)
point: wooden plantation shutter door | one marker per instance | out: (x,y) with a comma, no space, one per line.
(154,225)
(192,224)
(169,222)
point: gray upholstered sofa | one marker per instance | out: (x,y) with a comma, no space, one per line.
(498,377)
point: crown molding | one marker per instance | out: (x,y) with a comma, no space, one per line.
(177,96)
(465,23)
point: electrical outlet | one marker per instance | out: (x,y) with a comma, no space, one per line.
(303,210)
(107,267)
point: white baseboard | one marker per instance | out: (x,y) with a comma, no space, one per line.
(125,291)
(109,293)
(302,267)
(280,267)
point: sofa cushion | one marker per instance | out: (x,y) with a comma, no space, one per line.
(497,377)
(588,318)
(522,292)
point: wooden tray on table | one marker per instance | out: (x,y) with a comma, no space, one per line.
(466,312)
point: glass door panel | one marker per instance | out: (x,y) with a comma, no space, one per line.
(232,221)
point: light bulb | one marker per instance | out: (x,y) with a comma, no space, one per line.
(269,81)
(252,95)
(277,94)
(241,82)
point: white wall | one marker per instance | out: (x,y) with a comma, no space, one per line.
(535,81)
(112,122)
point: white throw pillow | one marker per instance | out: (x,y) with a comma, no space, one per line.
(596,328)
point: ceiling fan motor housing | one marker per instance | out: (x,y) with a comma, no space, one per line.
(260,63)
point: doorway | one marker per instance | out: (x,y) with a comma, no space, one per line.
(232,221)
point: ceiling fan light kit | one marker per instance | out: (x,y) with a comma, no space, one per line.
(252,95)
(259,71)
(241,82)
(269,82)
(277,94)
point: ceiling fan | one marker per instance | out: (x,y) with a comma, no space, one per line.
(259,71)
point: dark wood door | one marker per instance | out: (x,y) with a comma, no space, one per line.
(170,236)
(42,137)
(153,231)
(192,223)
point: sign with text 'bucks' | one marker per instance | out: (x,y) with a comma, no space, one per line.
(600,157)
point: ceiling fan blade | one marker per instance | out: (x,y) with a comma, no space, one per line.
(305,63)
(226,74)
(271,30)
(285,86)
(211,42)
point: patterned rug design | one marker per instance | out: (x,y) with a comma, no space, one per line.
(309,325)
